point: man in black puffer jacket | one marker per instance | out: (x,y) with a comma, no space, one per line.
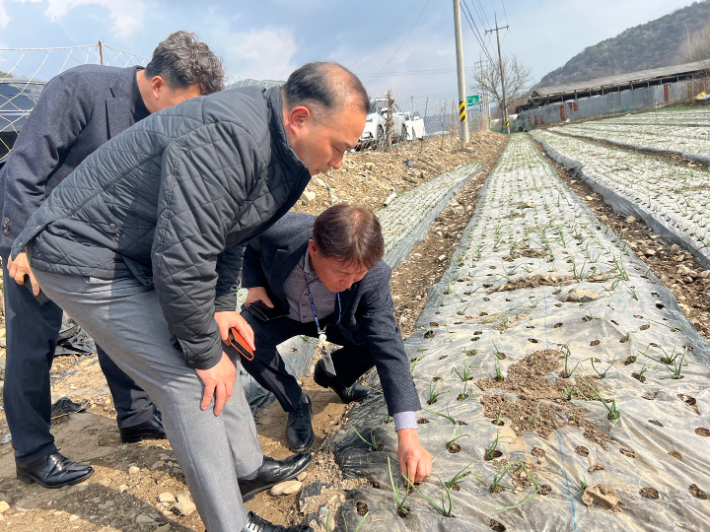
(142,246)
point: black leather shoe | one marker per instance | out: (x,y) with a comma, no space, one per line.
(356,392)
(258,524)
(149,430)
(274,472)
(54,471)
(299,430)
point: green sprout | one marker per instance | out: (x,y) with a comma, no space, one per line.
(614,414)
(568,353)
(372,442)
(492,448)
(443,509)
(461,476)
(451,442)
(445,416)
(602,374)
(433,394)
(401,508)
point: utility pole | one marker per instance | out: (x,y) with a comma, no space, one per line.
(461,72)
(480,64)
(502,79)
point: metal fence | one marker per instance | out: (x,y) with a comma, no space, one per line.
(611,104)
(25,71)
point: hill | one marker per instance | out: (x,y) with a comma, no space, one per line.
(651,45)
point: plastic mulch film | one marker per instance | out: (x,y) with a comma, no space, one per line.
(672,200)
(690,142)
(406,220)
(404,223)
(542,309)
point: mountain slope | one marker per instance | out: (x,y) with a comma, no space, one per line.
(651,45)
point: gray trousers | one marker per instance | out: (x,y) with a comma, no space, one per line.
(126,319)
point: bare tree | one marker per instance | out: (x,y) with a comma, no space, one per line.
(695,46)
(517,79)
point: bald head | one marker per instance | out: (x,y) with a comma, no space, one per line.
(324,87)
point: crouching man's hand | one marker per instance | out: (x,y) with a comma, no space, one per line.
(228,319)
(412,456)
(258,293)
(219,383)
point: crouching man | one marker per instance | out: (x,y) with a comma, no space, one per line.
(324,277)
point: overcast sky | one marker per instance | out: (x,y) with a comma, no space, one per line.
(267,39)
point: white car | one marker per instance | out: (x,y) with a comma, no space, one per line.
(414,124)
(374,132)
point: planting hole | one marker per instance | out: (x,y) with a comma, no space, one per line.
(454,448)
(638,316)
(495,453)
(475,339)
(442,357)
(436,379)
(558,325)
(675,454)
(594,342)
(532,341)
(581,450)
(545,489)
(630,360)
(496,526)
(697,492)
(422,421)
(656,422)
(660,305)
(702,431)
(649,493)
(470,352)
(362,508)
(628,452)
(645,327)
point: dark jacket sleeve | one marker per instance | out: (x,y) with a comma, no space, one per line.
(376,310)
(54,124)
(229,267)
(197,203)
(253,273)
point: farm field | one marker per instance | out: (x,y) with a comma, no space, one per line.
(681,133)
(672,199)
(555,371)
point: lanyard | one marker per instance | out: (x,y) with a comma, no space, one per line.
(321,332)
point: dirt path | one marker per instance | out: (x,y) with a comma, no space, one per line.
(132,488)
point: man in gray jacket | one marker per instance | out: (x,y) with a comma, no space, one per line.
(142,246)
(78,111)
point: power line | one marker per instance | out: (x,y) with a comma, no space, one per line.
(402,43)
(474,28)
(506,14)
(409,72)
(386,35)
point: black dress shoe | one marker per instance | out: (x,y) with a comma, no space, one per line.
(356,392)
(274,472)
(54,471)
(149,430)
(258,524)
(299,430)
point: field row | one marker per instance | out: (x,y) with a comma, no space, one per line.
(674,200)
(542,313)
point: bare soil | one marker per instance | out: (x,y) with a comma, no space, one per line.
(540,405)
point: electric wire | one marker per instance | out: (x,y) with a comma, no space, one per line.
(386,35)
(401,44)
(474,28)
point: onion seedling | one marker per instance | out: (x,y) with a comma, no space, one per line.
(614,414)
(445,416)
(602,374)
(372,442)
(433,394)
(451,442)
(568,353)
(402,510)
(466,375)
(499,375)
(492,449)
(460,476)
(446,512)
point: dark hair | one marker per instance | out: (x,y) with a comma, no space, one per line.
(326,84)
(183,60)
(350,234)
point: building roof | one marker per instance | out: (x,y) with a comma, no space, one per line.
(618,80)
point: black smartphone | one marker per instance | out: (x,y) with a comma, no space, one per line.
(263,313)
